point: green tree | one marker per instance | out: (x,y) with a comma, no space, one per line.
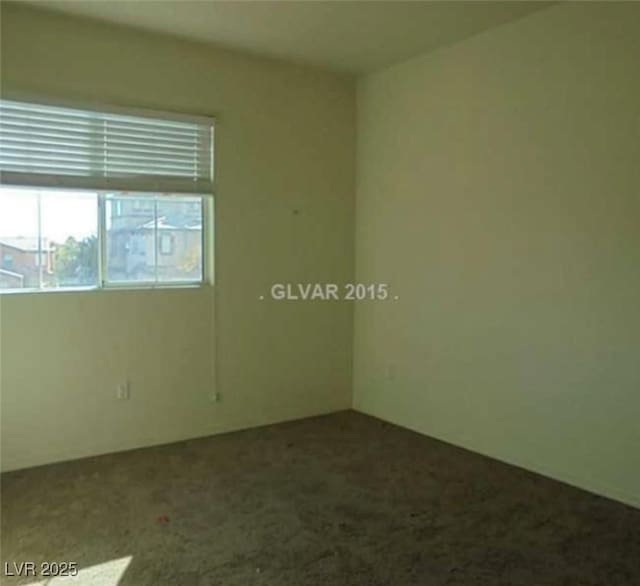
(76,261)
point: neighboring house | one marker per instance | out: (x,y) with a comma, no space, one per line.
(132,240)
(11,280)
(22,261)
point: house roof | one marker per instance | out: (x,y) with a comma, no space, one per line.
(11,274)
(164,225)
(25,243)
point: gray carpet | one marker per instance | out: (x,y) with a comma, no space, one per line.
(337,500)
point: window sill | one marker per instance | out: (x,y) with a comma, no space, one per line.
(107,288)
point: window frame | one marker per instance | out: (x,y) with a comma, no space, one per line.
(102,282)
(131,187)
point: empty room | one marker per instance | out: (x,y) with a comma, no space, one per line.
(319,293)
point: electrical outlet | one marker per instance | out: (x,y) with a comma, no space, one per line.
(122,391)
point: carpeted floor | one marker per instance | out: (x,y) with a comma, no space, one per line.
(337,500)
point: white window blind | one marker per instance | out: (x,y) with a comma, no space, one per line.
(51,146)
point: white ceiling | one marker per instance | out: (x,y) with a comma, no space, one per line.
(344,35)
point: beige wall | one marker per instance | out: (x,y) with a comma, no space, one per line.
(285,142)
(499,195)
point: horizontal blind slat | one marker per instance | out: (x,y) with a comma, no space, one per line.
(47,167)
(96,119)
(139,116)
(14,146)
(51,142)
(96,163)
(98,131)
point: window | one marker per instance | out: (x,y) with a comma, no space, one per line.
(93,199)
(155,239)
(56,239)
